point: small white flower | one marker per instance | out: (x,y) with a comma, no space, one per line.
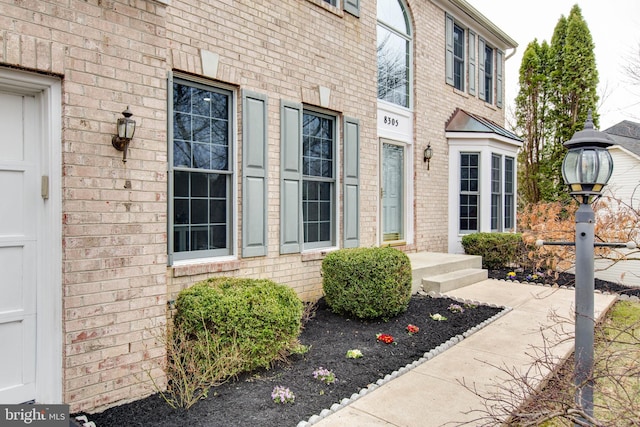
(354,354)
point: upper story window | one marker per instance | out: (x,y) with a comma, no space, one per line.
(352,7)
(488,74)
(470,60)
(394,53)
(201,171)
(456,68)
(490,78)
(458,57)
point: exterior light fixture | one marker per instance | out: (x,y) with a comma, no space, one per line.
(428,154)
(126,129)
(587,167)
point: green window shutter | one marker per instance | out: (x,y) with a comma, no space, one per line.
(351,183)
(448,60)
(472,63)
(290,177)
(499,80)
(352,7)
(481,57)
(254,174)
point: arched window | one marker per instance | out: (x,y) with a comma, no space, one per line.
(394,53)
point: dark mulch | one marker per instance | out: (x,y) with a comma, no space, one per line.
(247,401)
(561,279)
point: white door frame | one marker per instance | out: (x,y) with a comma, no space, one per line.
(400,218)
(395,126)
(47,92)
(407,208)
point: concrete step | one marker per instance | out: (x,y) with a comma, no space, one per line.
(453,280)
(429,264)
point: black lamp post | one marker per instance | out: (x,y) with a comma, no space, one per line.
(586,170)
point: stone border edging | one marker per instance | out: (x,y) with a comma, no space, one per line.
(403,370)
(622,297)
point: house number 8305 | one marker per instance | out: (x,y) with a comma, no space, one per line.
(391,121)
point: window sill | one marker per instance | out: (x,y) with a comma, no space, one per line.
(326,6)
(393,243)
(205,267)
(491,106)
(315,255)
(461,93)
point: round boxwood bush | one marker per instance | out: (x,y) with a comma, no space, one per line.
(498,250)
(367,283)
(255,320)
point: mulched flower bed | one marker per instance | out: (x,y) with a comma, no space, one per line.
(560,279)
(385,348)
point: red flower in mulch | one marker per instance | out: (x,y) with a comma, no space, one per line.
(387,339)
(412,329)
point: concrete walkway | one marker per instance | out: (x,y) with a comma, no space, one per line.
(432,395)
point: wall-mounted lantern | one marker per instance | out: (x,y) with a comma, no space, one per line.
(428,154)
(126,129)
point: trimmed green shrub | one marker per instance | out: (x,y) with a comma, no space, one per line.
(497,250)
(367,283)
(255,320)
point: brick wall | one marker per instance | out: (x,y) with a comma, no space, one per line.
(109,54)
(294,53)
(114,213)
(286,53)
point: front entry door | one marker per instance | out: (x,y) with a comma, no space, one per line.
(392,192)
(19,193)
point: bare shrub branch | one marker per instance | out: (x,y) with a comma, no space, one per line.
(545,392)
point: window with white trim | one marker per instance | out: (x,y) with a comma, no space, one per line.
(318,179)
(509,190)
(496,192)
(200,171)
(502,192)
(469,192)
(488,74)
(394,53)
(308,179)
(458,57)
(487,78)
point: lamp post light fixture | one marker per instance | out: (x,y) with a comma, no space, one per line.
(126,128)
(586,169)
(428,154)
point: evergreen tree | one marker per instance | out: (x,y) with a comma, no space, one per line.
(531,118)
(566,77)
(574,81)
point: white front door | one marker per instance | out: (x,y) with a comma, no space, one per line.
(19,178)
(392,192)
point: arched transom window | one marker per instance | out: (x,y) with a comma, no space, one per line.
(394,53)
